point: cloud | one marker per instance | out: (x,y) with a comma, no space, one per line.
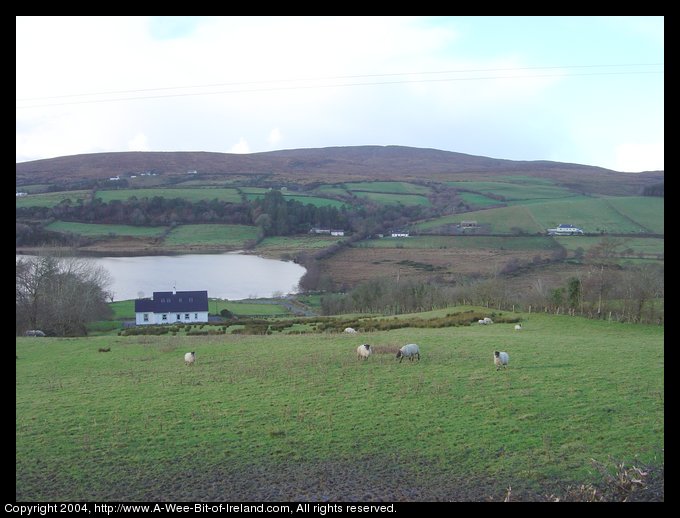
(139,143)
(240,147)
(274,137)
(636,157)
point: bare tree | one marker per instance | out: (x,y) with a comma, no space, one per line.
(59,295)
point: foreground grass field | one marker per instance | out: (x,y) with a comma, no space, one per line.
(286,418)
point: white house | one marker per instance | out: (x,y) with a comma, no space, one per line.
(399,233)
(171,307)
(564,230)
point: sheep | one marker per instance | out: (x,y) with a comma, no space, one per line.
(104,349)
(518,327)
(350,330)
(501,359)
(487,320)
(364,351)
(481,322)
(189,358)
(409,351)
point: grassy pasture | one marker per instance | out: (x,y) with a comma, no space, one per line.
(317,201)
(50,199)
(104,230)
(473,198)
(462,242)
(512,191)
(393,199)
(211,234)
(647,211)
(257,413)
(332,190)
(276,246)
(592,215)
(193,195)
(388,187)
(501,220)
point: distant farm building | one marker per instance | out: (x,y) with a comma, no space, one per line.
(332,232)
(399,233)
(21,194)
(564,230)
(170,307)
(469,224)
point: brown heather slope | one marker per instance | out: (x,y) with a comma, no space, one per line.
(332,164)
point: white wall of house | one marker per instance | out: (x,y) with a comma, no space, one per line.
(183,317)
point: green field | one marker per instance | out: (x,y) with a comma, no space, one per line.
(597,214)
(388,187)
(646,211)
(51,199)
(192,195)
(462,242)
(593,215)
(480,200)
(512,191)
(503,220)
(299,418)
(103,230)
(302,198)
(297,243)
(232,236)
(393,199)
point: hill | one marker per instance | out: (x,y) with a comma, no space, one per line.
(332,164)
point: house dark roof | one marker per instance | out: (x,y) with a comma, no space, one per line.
(167,302)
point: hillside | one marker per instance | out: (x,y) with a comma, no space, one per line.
(334,164)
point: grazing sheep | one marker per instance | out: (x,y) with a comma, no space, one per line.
(518,327)
(409,351)
(487,320)
(481,322)
(104,350)
(501,359)
(350,330)
(189,358)
(364,351)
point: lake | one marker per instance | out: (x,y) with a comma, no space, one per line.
(232,275)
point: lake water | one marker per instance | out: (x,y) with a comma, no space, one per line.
(230,276)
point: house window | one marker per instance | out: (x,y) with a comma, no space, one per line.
(146,317)
(191,299)
(195,316)
(164,317)
(186,316)
(177,316)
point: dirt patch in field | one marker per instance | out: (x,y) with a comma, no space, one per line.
(354,265)
(368,479)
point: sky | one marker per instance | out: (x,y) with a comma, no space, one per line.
(585,90)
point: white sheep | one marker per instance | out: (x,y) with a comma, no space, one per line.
(487,320)
(518,327)
(364,351)
(481,322)
(189,358)
(350,330)
(409,351)
(501,359)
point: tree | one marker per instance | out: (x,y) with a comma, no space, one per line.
(59,295)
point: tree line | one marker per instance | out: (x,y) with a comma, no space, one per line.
(604,291)
(60,295)
(273,213)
